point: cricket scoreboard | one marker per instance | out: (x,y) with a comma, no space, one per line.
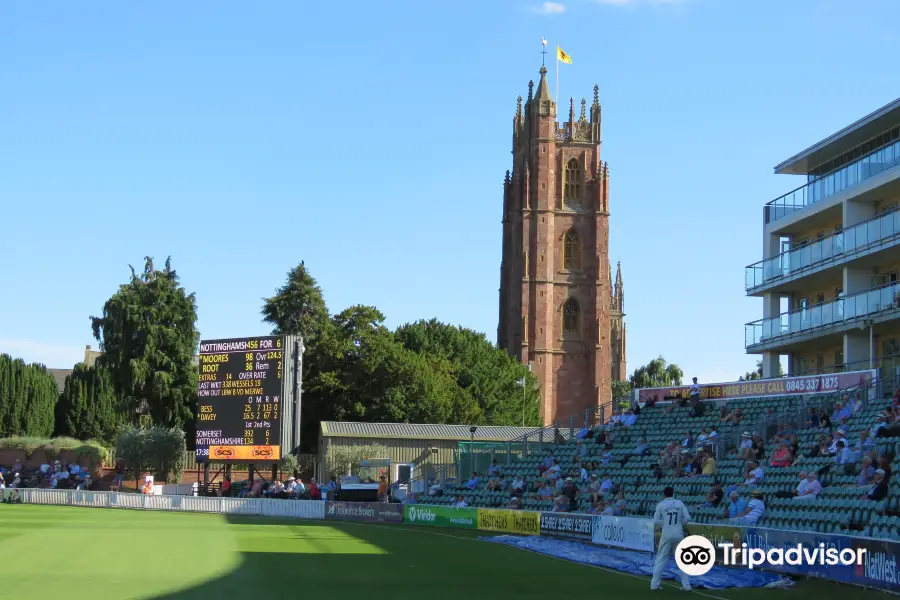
(239,400)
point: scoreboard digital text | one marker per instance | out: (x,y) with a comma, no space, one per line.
(239,400)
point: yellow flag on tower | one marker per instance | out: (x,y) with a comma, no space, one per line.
(562,56)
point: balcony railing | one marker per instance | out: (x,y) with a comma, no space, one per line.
(859,170)
(831,248)
(863,304)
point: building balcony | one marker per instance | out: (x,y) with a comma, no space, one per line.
(878,303)
(863,168)
(830,251)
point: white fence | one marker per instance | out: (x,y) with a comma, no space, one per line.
(300,509)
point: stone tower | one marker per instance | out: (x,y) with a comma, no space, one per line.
(555,296)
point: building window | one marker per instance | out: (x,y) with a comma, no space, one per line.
(571,316)
(574,181)
(571,251)
(820,363)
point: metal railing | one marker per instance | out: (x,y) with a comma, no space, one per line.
(794,414)
(839,246)
(863,168)
(886,297)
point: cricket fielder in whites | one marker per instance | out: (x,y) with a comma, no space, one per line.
(671,515)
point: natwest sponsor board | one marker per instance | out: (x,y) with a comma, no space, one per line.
(623,532)
(509,521)
(373,512)
(564,525)
(765,387)
(440,516)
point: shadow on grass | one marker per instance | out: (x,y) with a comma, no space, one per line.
(347,560)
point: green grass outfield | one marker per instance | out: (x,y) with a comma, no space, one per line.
(85,553)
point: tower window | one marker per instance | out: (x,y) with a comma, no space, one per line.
(571,315)
(574,182)
(571,250)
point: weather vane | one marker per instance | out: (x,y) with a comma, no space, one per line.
(544,51)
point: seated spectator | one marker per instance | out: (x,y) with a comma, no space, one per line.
(843,427)
(494,469)
(755,510)
(560,503)
(694,464)
(460,502)
(688,441)
(844,455)
(472,483)
(291,486)
(225,490)
(782,457)
(315,492)
(812,418)
(702,437)
(884,463)
(147,487)
(724,414)
(866,472)
(554,471)
(435,489)
(745,451)
(835,438)
(594,488)
(708,466)
(881,422)
(546,463)
(858,404)
(715,495)
(570,491)
(801,487)
(617,508)
(879,487)
(754,474)
(595,508)
(545,491)
(642,448)
(517,485)
(514,504)
(629,418)
(581,450)
(824,420)
(584,432)
(582,472)
(607,485)
(16,481)
(811,490)
(713,434)
(759,448)
(864,444)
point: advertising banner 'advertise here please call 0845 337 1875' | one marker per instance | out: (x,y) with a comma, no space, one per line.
(239,400)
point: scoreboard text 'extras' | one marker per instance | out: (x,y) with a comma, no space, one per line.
(239,400)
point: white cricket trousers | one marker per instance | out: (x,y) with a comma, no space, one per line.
(666,548)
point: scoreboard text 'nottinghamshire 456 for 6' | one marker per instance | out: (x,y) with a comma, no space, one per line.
(239,400)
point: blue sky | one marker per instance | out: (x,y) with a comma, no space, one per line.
(371,140)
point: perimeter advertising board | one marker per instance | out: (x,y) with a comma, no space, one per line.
(566,525)
(783,386)
(441,516)
(369,512)
(623,532)
(509,521)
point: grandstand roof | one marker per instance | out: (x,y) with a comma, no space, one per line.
(421,431)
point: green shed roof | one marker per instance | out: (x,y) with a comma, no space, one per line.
(421,432)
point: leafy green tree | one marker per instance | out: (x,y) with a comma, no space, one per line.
(88,408)
(493,387)
(28,396)
(297,308)
(757,374)
(621,390)
(148,337)
(657,373)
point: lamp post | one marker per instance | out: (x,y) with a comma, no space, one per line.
(472,431)
(521,382)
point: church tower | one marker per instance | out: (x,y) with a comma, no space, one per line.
(555,289)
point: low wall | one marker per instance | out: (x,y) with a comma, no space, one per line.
(880,570)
